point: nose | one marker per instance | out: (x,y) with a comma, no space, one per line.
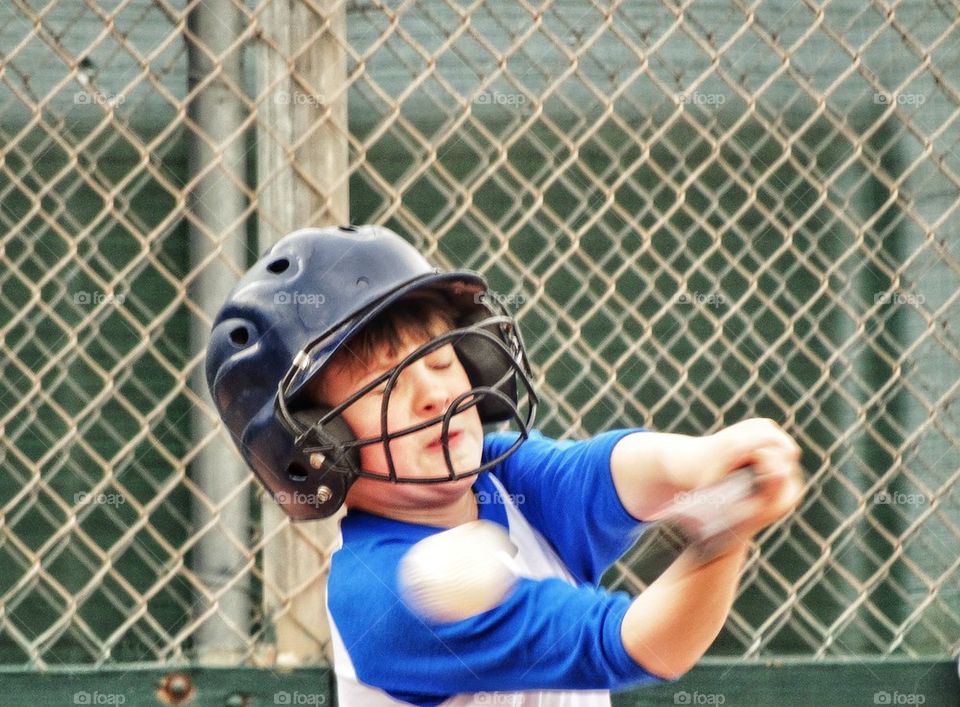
(431,396)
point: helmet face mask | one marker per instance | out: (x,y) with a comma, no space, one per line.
(295,308)
(493,391)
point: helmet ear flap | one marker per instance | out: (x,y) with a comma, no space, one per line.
(486,364)
(314,493)
(330,437)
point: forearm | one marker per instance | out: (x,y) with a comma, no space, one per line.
(650,468)
(673,622)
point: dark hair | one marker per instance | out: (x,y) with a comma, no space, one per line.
(416,317)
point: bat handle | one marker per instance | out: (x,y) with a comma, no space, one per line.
(704,519)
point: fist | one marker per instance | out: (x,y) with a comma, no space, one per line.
(775,457)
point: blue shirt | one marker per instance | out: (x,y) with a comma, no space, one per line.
(558,632)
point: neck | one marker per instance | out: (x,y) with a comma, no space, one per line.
(462,509)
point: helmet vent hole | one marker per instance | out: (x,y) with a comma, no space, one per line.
(363,281)
(296,473)
(348,229)
(278,266)
(240,336)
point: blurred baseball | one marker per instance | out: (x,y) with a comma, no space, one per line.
(460,572)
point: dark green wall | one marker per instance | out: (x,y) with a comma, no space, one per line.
(761,318)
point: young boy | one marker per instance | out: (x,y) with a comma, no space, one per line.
(373,391)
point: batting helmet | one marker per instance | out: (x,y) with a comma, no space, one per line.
(295,308)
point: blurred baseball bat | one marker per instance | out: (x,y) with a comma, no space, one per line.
(703,521)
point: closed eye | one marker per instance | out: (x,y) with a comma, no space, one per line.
(380,389)
(440,359)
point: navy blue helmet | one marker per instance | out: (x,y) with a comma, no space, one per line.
(295,308)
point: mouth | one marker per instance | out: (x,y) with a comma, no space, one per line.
(453,436)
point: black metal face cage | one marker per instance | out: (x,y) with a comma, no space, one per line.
(315,437)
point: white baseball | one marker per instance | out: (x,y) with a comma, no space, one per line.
(458,573)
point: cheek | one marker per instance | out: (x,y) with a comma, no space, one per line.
(363,419)
(365,423)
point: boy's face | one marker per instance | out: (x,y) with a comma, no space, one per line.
(423,390)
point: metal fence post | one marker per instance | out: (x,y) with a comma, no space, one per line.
(218,207)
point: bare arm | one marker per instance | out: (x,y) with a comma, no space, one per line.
(672,623)
(650,468)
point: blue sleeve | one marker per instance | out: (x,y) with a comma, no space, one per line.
(568,495)
(547,635)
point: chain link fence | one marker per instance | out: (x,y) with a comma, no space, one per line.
(700,212)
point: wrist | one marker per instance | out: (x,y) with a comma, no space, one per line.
(735,552)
